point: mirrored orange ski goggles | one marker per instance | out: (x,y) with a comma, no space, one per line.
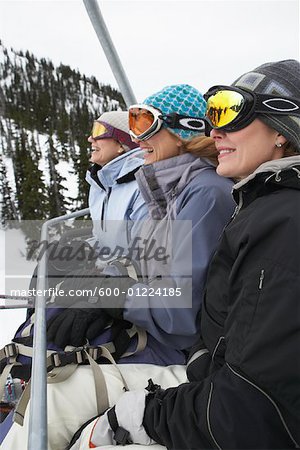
(145,121)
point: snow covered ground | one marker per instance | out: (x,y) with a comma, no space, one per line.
(11,319)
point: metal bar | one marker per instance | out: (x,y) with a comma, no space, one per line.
(37,438)
(102,32)
(15,302)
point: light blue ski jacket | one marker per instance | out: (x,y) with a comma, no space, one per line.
(115,202)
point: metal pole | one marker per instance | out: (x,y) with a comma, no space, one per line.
(37,438)
(111,54)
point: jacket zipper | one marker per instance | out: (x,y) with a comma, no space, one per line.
(271,401)
(261,279)
(105,202)
(208,419)
(238,207)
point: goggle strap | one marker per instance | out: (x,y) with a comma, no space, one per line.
(271,104)
(183,122)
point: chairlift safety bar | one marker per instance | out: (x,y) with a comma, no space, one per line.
(37,437)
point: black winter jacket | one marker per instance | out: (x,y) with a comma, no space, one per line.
(245,371)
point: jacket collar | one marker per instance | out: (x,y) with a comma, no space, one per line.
(160,181)
(275,167)
(268,177)
(119,170)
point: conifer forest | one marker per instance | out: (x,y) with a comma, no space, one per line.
(46,114)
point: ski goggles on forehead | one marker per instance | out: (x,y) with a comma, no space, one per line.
(145,121)
(230,108)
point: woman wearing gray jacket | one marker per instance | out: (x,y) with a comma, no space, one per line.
(189,205)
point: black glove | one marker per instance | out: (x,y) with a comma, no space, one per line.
(114,304)
(86,282)
(67,257)
(74,326)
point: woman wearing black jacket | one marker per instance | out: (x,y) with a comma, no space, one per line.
(244,389)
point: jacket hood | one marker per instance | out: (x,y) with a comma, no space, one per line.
(117,170)
(274,167)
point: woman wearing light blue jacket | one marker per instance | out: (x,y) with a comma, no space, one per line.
(114,198)
(115,206)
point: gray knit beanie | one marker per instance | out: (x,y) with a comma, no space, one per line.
(277,78)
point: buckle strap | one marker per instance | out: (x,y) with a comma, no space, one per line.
(61,359)
(8,355)
(11,350)
(94,352)
(77,356)
(121,436)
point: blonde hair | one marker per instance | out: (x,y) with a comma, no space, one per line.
(203,147)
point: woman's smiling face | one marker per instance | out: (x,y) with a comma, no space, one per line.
(162,145)
(241,152)
(104,150)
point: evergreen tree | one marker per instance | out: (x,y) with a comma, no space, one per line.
(31,190)
(46,114)
(57,202)
(8,208)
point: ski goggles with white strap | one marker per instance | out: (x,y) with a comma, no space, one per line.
(145,121)
(229,108)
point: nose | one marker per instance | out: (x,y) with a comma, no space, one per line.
(90,139)
(217,134)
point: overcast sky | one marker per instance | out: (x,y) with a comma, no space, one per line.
(200,42)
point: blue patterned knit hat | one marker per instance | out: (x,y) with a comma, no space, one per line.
(180,99)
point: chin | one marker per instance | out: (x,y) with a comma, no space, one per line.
(149,160)
(223,171)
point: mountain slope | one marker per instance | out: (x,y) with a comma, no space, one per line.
(46,113)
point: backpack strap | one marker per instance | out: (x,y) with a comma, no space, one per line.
(141,340)
(61,365)
(19,412)
(10,354)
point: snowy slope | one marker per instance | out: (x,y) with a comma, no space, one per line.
(11,319)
